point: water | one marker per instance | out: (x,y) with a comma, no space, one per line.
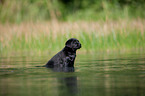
(94,75)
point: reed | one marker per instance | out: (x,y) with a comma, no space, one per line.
(19,11)
(94,36)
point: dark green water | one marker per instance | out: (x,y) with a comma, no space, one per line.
(94,75)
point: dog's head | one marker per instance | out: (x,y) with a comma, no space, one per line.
(73,43)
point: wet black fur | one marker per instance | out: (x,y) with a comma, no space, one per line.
(66,57)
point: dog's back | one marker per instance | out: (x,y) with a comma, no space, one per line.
(56,60)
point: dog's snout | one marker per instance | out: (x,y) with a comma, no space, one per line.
(80,45)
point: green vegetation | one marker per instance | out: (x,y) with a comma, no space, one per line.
(45,25)
(113,41)
(17,11)
(120,35)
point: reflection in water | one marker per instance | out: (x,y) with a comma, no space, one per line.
(67,84)
(94,75)
(62,69)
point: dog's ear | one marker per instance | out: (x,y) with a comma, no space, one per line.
(68,44)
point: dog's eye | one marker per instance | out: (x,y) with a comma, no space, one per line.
(76,42)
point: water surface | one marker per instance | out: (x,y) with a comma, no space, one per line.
(94,75)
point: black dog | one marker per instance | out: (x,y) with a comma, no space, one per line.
(66,57)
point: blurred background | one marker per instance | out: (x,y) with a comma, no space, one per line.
(45,25)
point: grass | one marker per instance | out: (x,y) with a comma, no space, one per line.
(19,11)
(94,36)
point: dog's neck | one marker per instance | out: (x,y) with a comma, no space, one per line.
(69,51)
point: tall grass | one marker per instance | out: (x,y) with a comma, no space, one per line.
(18,11)
(94,36)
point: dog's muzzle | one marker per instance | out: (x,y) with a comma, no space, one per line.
(80,46)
